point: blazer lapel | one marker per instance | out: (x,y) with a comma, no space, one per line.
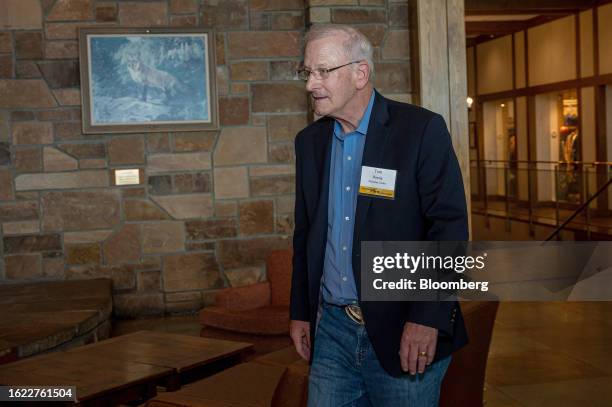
(322,158)
(373,154)
(322,153)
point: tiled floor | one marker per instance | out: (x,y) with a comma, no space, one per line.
(551,354)
(542,354)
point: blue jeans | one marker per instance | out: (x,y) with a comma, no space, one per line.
(346,372)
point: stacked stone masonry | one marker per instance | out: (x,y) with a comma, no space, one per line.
(210,204)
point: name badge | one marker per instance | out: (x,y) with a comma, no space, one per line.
(377,182)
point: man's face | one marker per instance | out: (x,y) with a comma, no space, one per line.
(329,96)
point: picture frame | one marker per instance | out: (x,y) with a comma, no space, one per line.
(137,80)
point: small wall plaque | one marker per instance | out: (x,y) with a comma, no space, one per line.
(127,177)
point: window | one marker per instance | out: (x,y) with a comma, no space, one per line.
(558,146)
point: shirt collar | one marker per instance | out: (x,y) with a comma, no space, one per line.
(362,128)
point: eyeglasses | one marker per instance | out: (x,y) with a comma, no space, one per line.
(320,73)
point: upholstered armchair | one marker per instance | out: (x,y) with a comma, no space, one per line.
(261,308)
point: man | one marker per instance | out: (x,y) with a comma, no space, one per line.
(368,353)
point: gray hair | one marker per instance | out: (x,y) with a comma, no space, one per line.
(357,46)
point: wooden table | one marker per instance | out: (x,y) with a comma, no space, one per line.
(127,368)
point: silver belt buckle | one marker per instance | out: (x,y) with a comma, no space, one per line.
(354,313)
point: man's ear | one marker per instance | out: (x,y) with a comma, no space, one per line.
(362,74)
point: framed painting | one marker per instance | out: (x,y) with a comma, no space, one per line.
(147,80)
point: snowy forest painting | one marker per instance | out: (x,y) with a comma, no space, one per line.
(148,79)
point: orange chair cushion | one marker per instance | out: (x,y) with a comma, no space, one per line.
(244,298)
(293,388)
(264,320)
(279,268)
(292,391)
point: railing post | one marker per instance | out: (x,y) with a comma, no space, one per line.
(587,213)
(557,198)
(486,195)
(531,197)
(507,202)
(582,207)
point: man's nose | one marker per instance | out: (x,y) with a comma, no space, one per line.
(312,83)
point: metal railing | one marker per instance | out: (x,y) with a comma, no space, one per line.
(559,194)
(582,207)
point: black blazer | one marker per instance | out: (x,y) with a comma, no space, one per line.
(429,204)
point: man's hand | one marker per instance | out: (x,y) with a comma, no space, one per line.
(417,347)
(300,333)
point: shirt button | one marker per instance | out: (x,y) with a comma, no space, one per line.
(347,218)
(343,278)
(348,188)
(344,248)
(349,158)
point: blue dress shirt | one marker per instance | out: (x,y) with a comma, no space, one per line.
(344,176)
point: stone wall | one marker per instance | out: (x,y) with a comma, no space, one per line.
(211,204)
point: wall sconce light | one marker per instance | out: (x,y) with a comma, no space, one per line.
(469,101)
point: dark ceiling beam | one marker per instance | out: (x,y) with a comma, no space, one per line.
(546,11)
(497,28)
(480,7)
(471,42)
(493,27)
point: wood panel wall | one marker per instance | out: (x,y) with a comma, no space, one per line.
(440,71)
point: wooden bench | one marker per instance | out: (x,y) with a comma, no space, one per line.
(127,368)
